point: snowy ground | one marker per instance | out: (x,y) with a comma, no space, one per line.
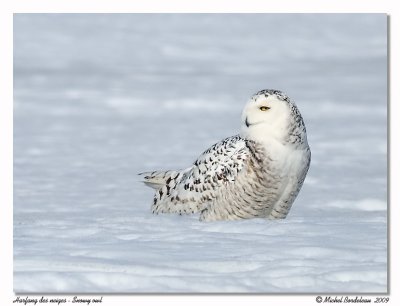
(101,98)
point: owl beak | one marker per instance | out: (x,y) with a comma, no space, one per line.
(247,123)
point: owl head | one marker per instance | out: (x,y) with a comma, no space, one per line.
(267,115)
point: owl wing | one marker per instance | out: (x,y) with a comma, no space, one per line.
(189,190)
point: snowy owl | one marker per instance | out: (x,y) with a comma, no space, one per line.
(257,173)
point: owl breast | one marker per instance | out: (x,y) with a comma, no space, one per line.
(266,188)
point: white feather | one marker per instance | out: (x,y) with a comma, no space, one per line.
(255,174)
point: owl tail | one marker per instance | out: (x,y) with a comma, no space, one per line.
(157,179)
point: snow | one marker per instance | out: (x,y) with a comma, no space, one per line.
(100,98)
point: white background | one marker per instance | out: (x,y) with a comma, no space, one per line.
(91,6)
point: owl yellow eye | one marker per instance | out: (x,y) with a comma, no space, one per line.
(264,108)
